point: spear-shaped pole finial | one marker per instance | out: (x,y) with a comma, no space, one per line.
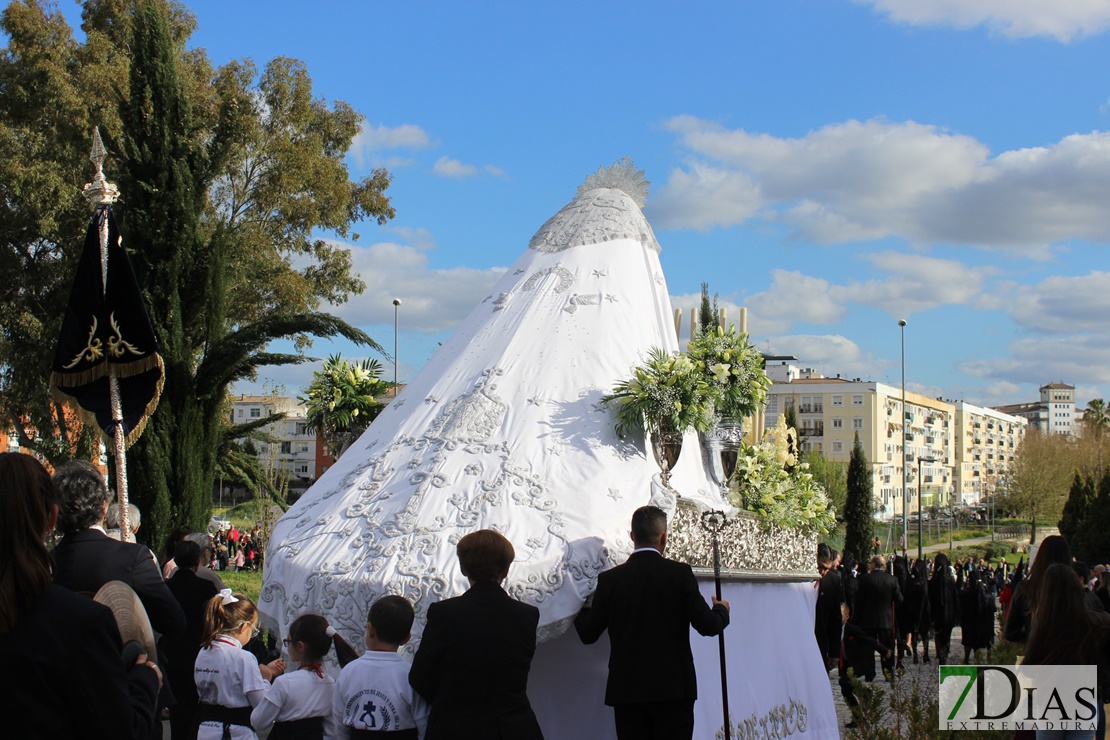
(99,191)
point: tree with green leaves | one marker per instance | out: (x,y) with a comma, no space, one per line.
(708,312)
(833,477)
(1076,508)
(859,505)
(1039,477)
(229,180)
(342,400)
(1096,423)
(1092,540)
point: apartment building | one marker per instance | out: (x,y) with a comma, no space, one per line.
(927,442)
(1054,413)
(987,441)
(294,449)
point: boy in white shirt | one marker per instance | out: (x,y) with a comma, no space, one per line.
(373,693)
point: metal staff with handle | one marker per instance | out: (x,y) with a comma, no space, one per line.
(713,521)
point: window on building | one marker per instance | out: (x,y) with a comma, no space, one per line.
(857,400)
(240,414)
(302,428)
(287,448)
(304,448)
(256,413)
(838,447)
(301,469)
(838,423)
(857,422)
(838,400)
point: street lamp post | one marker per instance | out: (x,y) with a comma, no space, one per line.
(905,523)
(919,542)
(396,310)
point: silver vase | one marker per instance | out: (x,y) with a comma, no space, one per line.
(666,446)
(721,444)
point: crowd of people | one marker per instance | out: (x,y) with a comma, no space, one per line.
(78,668)
(1059,610)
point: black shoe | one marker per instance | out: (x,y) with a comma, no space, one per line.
(925,660)
(915,658)
(851,724)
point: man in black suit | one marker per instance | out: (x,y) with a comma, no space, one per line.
(474,656)
(648,604)
(193,593)
(830,595)
(87,557)
(878,595)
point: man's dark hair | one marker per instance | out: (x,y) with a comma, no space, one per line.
(648,524)
(824,552)
(82,495)
(485,555)
(392,617)
(186,555)
(1082,570)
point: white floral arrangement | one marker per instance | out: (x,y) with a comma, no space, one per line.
(733,368)
(771,482)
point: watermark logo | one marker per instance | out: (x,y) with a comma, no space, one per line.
(1008,698)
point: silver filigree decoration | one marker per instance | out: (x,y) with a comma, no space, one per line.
(596,215)
(518,271)
(601,273)
(750,547)
(536,401)
(566,279)
(621,175)
(430,400)
(581,300)
(502,301)
(611,298)
(615,494)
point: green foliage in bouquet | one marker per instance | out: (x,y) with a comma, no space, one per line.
(668,393)
(763,484)
(733,369)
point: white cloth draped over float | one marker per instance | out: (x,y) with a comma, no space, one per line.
(504,428)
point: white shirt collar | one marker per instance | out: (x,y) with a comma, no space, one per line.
(646,549)
(98,528)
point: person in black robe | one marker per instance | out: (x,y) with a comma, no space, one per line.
(944,606)
(916,610)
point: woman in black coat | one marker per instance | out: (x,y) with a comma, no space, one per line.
(916,607)
(944,609)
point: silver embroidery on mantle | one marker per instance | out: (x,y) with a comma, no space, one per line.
(452,493)
(581,300)
(566,279)
(594,217)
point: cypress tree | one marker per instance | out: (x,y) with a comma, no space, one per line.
(163,201)
(859,508)
(1092,541)
(1076,507)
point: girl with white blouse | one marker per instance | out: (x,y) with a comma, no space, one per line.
(299,704)
(230,682)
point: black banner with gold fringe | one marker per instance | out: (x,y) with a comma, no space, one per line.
(106,333)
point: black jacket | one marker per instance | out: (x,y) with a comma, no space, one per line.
(648,605)
(87,560)
(472,666)
(63,676)
(878,592)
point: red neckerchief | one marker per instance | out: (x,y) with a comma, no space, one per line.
(314,667)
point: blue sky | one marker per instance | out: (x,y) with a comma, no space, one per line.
(834,166)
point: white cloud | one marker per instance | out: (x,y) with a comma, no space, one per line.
(371,140)
(828,353)
(916,283)
(432,299)
(1062,20)
(447,167)
(793,297)
(1074,359)
(1063,304)
(869,180)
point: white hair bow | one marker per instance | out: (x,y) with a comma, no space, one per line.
(226,597)
(330,631)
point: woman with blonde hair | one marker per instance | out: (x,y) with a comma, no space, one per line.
(230,682)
